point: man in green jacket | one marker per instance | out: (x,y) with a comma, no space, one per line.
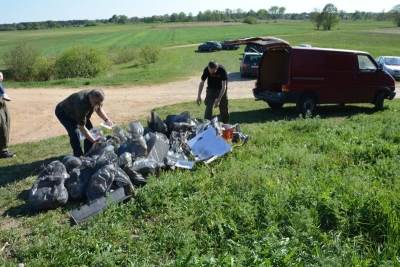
(75,112)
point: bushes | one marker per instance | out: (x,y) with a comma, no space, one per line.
(123,55)
(144,56)
(20,62)
(44,69)
(250,20)
(83,62)
(149,55)
(24,63)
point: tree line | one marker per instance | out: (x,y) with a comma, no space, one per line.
(228,15)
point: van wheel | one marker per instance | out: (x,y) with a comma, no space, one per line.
(306,105)
(379,100)
(275,106)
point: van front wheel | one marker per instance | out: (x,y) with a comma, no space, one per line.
(306,105)
(379,100)
(274,105)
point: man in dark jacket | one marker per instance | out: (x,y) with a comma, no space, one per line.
(216,95)
(74,114)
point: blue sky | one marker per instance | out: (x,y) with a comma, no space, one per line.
(39,10)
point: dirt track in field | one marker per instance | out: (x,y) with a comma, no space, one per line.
(32,110)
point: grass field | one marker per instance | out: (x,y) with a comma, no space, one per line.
(179,63)
(302,192)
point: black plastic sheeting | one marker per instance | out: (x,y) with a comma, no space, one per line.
(125,159)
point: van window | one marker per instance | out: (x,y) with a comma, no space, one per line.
(365,63)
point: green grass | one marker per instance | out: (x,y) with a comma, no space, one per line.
(179,63)
(303,192)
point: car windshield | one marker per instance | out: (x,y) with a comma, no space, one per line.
(252,59)
(394,61)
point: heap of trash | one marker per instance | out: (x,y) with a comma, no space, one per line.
(127,158)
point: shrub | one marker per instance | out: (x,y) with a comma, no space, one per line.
(250,20)
(149,54)
(123,55)
(85,62)
(21,61)
(43,69)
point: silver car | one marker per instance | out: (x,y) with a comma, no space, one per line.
(391,65)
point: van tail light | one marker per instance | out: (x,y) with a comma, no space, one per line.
(245,65)
(285,88)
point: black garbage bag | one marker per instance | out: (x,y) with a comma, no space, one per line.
(108,157)
(156,124)
(48,191)
(99,147)
(77,183)
(123,148)
(89,162)
(146,167)
(120,134)
(137,147)
(136,129)
(100,183)
(158,146)
(136,178)
(71,162)
(122,179)
(106,178)
(181,122)
(125,160)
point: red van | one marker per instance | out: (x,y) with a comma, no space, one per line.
(310,76)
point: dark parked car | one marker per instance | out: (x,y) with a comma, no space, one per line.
(228,46)
(312,76)
(390,65)
(210,46)
(249,64)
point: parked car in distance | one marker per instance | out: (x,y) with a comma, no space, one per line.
(312,76)
(249,64)
(227,46)
(390,65)
(209,46)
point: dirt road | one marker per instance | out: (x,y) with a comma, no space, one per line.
(32,110)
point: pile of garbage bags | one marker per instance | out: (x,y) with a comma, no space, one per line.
(128,157)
